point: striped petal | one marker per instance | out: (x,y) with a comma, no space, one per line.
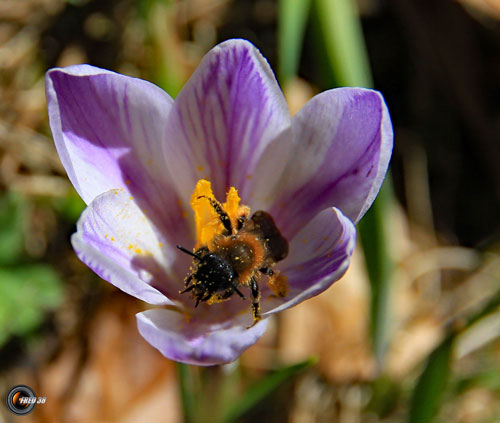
(226,117)
(192,342)
(342,145)
(119,243)
(320,254)
(109,130)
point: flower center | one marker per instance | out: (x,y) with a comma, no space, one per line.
(233,250)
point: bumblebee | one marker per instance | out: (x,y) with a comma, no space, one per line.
(245,250)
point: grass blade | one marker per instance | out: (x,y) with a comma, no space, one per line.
(372,231)
(348,60)
(344,42)
(187,391)
(264,387)
(291,25)
(428,392)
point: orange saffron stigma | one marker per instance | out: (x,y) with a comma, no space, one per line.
(207,221)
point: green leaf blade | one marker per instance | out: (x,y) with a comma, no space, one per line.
(428,392)
(264,387)
(343,38)
(291,26)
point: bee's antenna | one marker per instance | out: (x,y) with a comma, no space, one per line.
(189,252)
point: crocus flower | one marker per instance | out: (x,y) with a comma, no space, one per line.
(135,156)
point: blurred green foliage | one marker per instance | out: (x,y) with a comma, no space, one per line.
(70,207)
(26,294)
(292,22)
(261,389)
(223,394)
(27,290)
(342,36)
(429,390)
(159,21)
(13,209)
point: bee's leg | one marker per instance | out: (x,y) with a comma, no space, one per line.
(223,216)
(202,297)
(226,294)
(241,222)
(238,292)
(230,291)
(234,288)
(186,284)
(254,288)
(189,288)
(201,251)
(188,280)
(266,271)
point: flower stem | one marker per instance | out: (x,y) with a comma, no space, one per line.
(187,389)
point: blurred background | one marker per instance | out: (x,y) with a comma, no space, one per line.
(410,334)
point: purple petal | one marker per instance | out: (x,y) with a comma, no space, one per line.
(109,130)
(192,342)
(343,142)
(102,122)
(224,119)
(118,242)
(319,255)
